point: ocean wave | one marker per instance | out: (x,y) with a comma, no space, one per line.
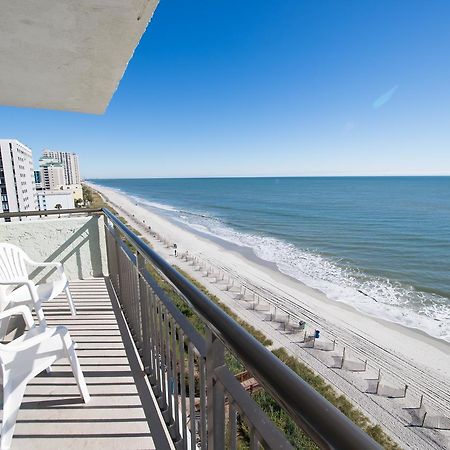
(153,204)
(182,212)
(376,296)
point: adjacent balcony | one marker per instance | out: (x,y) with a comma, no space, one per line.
(157,378)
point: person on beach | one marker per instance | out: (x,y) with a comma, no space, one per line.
(175,249)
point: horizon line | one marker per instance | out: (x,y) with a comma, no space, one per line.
(267,176)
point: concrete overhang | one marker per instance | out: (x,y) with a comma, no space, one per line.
(67,54)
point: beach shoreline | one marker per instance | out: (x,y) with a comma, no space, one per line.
(271,269)
(409,354)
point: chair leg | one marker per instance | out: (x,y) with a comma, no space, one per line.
(4,327)
(76,368)
(73,311)
(40,315)
(12,399)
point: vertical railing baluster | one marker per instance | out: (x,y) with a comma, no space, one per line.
(215,357)
(126,267)
(131,307)
(152,330)
(160,370)
(109,256)
(203,410)
(169,372)
(254,441)
(124,282)
(162,359)
(183,387)
(232,425)
(155,353)
(120,272)
(114,263)
(112,256)
(137,303)
(145,315)
(191,394)
(175,377)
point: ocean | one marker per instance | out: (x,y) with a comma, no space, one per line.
(380,244)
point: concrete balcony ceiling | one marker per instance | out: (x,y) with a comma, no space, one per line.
(67,54)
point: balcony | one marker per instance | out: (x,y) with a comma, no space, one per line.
(115,417)
(156,380)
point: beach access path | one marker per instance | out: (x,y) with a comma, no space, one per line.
(399,377)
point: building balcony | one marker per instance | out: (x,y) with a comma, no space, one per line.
(157,379)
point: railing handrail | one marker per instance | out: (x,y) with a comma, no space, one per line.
(51,212)
(321,420)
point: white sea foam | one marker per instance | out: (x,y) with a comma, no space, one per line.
(372,295)
(153,204)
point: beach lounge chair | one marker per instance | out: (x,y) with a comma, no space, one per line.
(16,288)
(25,357)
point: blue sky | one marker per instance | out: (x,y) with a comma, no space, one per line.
(291,87)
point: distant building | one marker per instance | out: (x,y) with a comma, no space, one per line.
(52,173)
(37,179)
(76,189)
(48,200)
(17,186)
(70,164)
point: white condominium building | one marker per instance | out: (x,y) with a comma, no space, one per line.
(70,163)
(18,191)
(52,173)
(55,200)
(75,189)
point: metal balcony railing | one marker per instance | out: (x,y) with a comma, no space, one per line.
(187,369)
(202,402)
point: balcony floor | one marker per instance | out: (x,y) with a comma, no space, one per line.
(52,413)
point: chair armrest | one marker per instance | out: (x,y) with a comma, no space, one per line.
(19,310)
(56,264)
(31,287)
(42,334)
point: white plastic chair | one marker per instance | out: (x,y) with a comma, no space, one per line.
(27,356)
(17,289)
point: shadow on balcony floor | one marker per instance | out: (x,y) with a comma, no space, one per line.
(52,413)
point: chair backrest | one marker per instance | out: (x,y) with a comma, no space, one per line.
(12,262)
(12,267)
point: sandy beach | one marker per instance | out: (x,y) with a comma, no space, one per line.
(385,367)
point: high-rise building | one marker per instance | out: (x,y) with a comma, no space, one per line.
(17,186)
(37,179)
(52,173)
(70,163)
